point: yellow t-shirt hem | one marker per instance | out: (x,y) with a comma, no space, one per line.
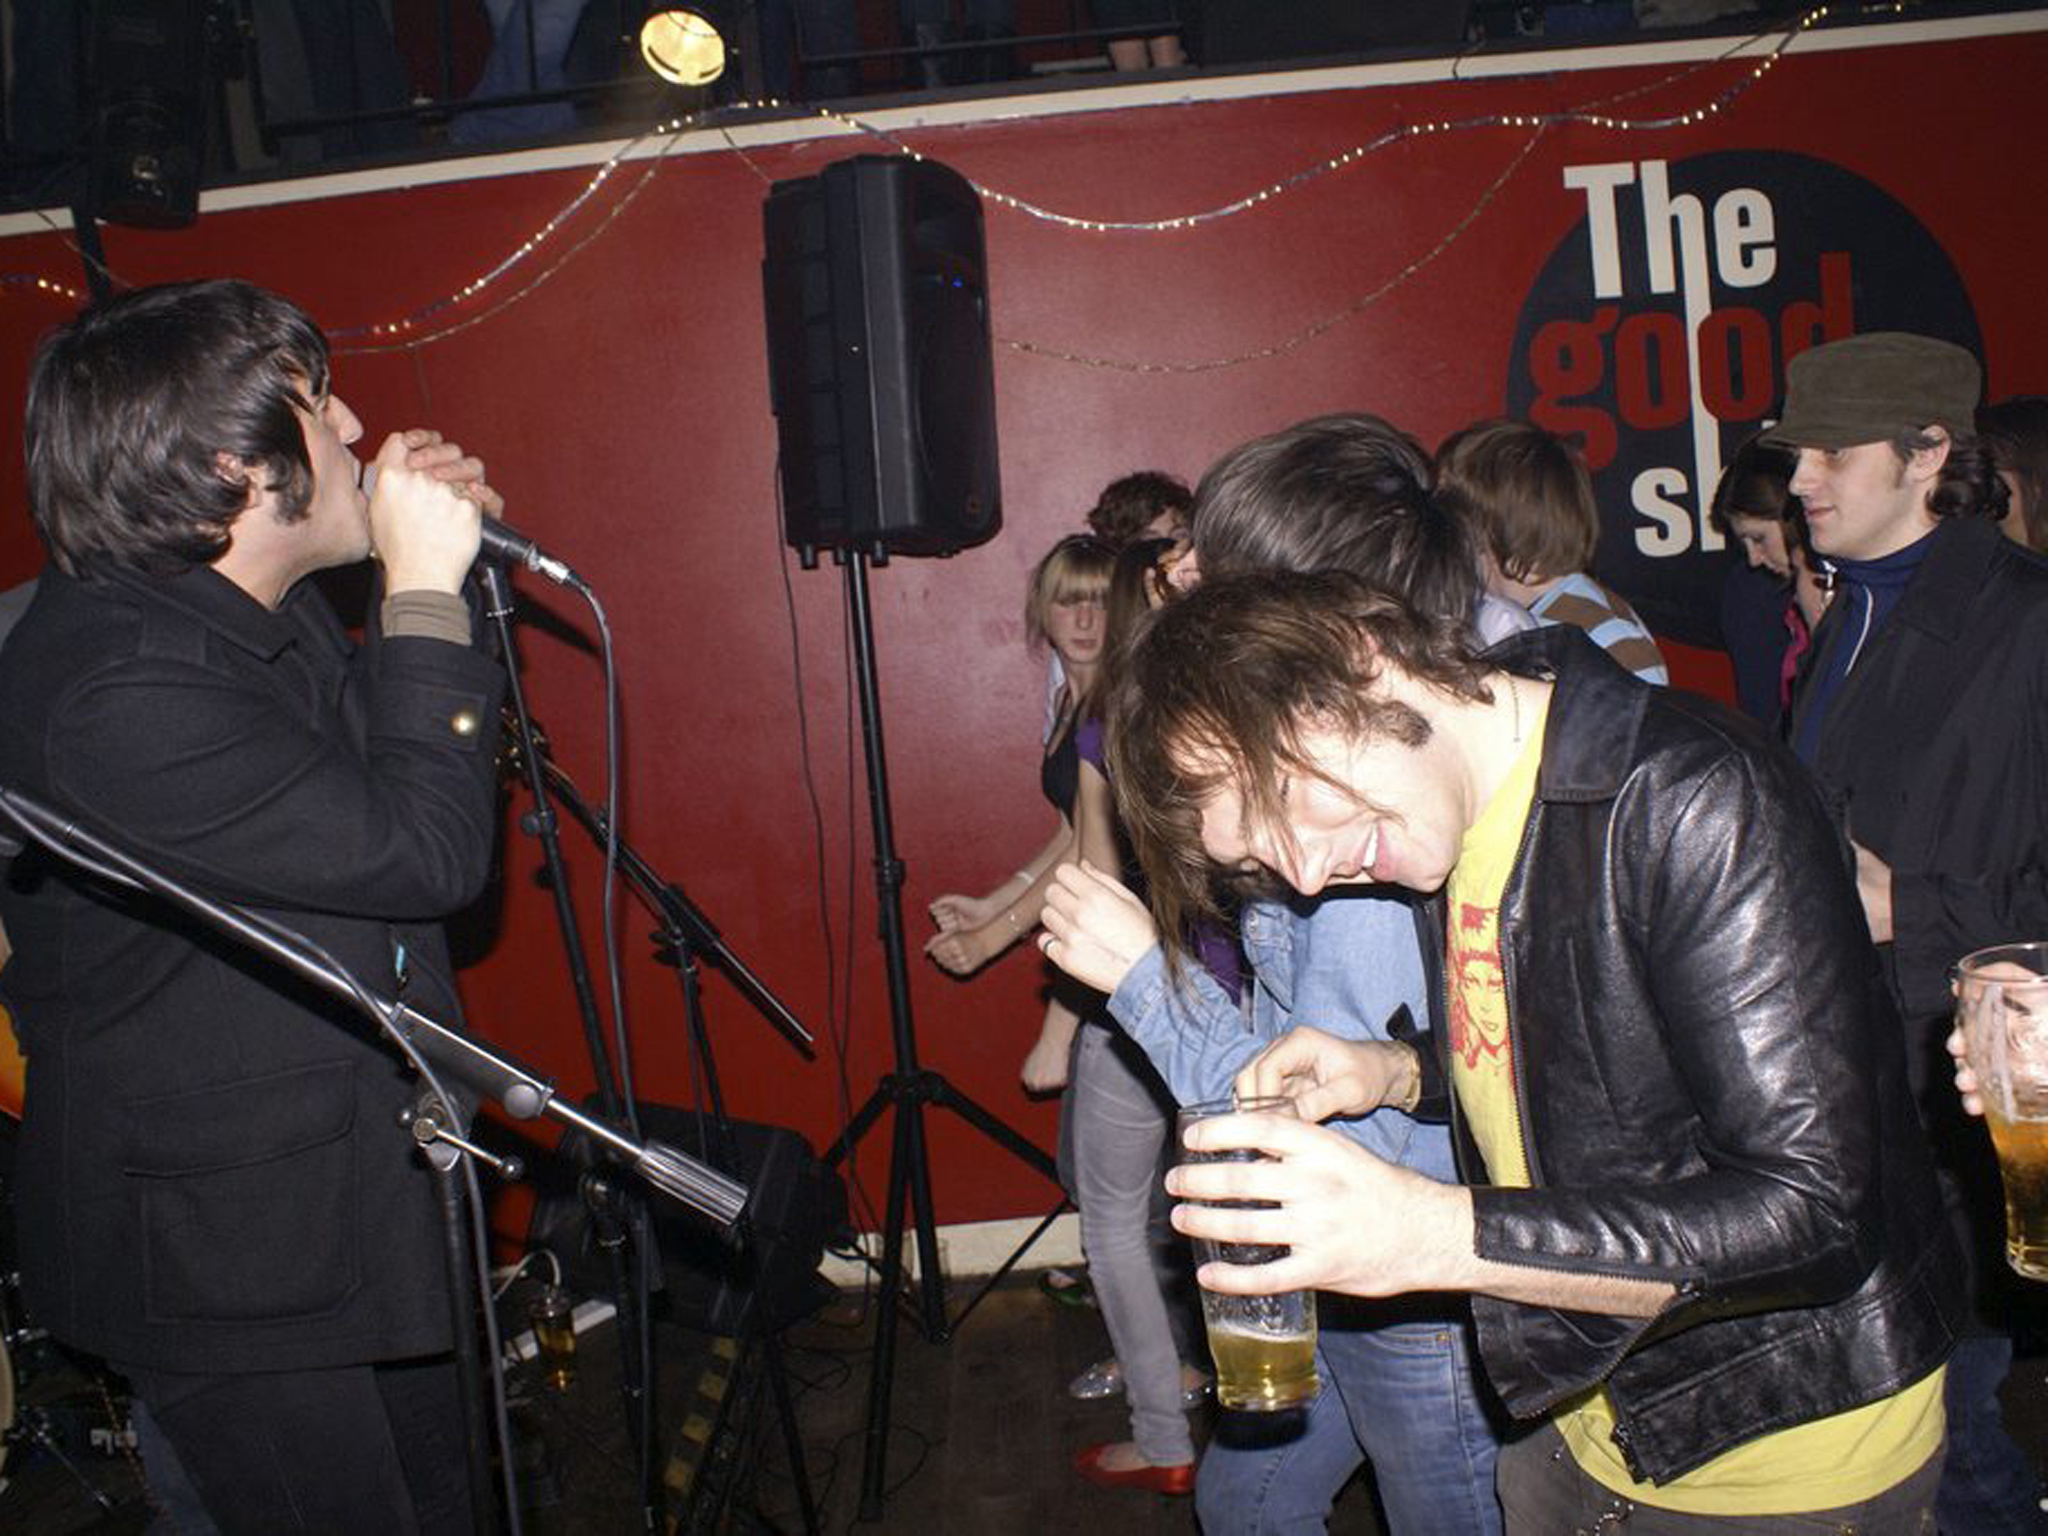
(1842,1459)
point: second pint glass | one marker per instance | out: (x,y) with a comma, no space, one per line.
(2002,1005)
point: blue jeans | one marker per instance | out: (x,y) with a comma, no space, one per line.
(808,28)
(983,13)
(1402,1394)
(1987,1487)
(176,1501)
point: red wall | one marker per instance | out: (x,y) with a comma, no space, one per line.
(623,408)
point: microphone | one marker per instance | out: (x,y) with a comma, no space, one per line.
(502,542)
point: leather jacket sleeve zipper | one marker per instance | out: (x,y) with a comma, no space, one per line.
(1529,1157)
(1507,993)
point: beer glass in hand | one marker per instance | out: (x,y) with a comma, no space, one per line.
(2002,1007)
(1264,1346)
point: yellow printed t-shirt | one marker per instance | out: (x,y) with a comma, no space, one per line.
(1820,1465)
(1482,1066)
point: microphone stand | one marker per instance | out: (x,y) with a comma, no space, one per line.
(617,1218)
(540,823)
(520,1092)
(434,1122)
(683,921)
(686,933)
(442,1157)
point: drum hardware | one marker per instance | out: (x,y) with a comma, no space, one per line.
(35,1426)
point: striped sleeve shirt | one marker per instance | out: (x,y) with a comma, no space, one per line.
(1581,601)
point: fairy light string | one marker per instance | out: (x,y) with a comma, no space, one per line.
(49,285)
(434,321)
(1314,328)
(1584,114)
(526,248)
(400,329)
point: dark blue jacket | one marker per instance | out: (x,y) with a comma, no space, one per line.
(1934,750)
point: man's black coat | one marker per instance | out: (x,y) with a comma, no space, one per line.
(211,1174)
(1936,748)
(1937,743)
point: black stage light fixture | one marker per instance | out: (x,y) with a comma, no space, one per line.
(146,74)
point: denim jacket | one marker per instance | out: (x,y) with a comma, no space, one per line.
(1344,963)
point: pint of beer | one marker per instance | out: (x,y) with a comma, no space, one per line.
(2002,1006)
(553,1315)
(1264,1346)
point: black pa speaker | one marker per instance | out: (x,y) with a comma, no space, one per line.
(795,1206)
(878,359)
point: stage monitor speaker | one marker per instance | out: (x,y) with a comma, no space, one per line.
(795,1206)
(878,359)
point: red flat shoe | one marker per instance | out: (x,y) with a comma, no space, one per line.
(1177,1481)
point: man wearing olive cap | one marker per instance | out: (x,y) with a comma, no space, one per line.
(1923,708)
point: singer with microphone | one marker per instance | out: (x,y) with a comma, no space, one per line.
(499,540)
(214,1192)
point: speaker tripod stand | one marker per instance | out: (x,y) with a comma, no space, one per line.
(906,1090)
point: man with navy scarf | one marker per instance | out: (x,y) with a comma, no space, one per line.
(1920,707)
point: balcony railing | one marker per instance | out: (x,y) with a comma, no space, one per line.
(141,95)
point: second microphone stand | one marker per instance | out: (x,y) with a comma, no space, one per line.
(434,1121)
(686,935)
(618,1217)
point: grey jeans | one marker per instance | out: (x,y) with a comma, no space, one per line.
(1545,1494)
(1121,1122)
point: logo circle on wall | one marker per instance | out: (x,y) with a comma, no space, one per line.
(1656,335)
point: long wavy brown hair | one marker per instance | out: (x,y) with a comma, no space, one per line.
(1218,689)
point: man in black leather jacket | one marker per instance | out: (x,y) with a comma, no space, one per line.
(1697,1231)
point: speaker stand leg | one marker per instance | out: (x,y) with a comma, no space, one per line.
(907,1089)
